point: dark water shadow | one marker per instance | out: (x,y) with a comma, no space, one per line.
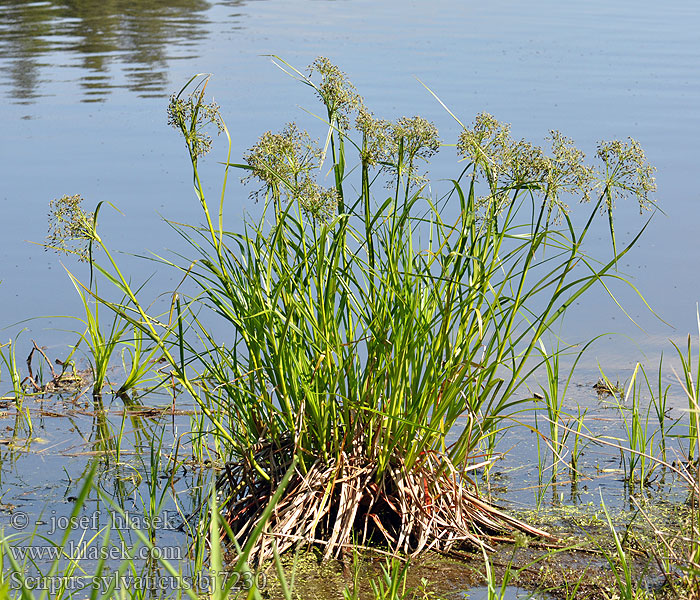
(112,44)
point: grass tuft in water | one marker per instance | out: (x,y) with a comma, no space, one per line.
(354,325)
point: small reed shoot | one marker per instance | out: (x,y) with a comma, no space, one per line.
(640,437)
(9,360)
(138,361)
(628,588)
(577,448)
(553,402)
(690,381)
(659,399)
(392,585)
(510,573)
(554,396)
(101,344)
(352,591)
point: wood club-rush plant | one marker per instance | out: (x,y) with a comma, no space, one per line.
(355,328)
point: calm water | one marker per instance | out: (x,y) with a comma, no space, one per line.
(510,593)
(85,85)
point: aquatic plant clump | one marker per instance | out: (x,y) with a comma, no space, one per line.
(342,503)
(355,332)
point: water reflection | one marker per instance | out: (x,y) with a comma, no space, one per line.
(113,43)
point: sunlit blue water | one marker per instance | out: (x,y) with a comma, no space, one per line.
(84,112)
(508,593)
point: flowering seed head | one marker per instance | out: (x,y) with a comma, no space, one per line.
(509,164)
(286,163)
(376,137)
(317,202)
(335,91)
(416,138)
(626,172)
(568,172)
(487,144)
(282,160)
(420,137)
(71,229)
(192,116)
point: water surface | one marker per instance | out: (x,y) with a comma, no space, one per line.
(85,87)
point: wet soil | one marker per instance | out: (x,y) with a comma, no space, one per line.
(579,564)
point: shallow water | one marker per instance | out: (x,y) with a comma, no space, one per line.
(509,593)
(136,448)
(43,471)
